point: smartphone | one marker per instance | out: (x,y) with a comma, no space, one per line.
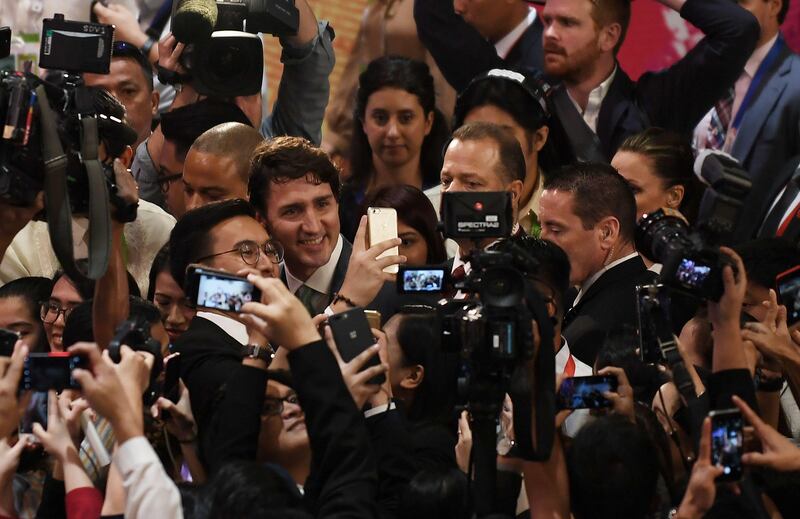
(788,288)
(45,371)
(218,290)
(382,226)
(8,338)
(374,318)
(352,334)
(172,373)
(585,392)
(421,280)
(727,443)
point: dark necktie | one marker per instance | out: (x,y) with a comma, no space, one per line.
(314,300)
(773,221)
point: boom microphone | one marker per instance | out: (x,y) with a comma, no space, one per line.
(193,20)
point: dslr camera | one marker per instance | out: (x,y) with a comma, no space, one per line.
(692,262)
(135,333)
(224,55)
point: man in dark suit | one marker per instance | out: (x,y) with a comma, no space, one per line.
(581,41)
(589,211)
(762,113)
(467,38)
(295,188)
(783,217)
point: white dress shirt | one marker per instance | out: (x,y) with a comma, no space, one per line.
(579,417)
(507,42)
(149,490)
(596,96)
(322,278)
(237,330)
(588,283)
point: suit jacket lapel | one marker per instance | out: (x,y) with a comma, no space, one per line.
(615,105)
(759,111)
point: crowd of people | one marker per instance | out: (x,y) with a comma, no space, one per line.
(235,401)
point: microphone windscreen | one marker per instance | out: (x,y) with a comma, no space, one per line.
(194,20)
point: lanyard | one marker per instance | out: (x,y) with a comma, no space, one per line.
(762,71)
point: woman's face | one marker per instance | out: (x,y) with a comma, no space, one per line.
(648,188)
(396,126)
(16,316)
(171,302)
(414,247)
(63,299)
(283,434)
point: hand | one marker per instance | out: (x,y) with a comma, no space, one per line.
(285,321)
(365,275)
(11,408)
(15,218)
(72,411)
(778,452)
(169,54)
(181,422)
(126,27)
(356,380)
(622,399)
(772,339)
(105,391)
(702,489)
(127,189)
(56,440)
(726,312)
(464,445)
(134,372)
(9,458)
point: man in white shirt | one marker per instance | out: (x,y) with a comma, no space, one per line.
(589,211)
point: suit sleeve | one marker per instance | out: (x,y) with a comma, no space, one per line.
(344,478)
(460,52)
(678,97)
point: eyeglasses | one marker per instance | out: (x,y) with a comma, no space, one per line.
(50,310)
(251,251)
(274,406)
(164,181)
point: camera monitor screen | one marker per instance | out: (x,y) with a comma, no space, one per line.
(691,273)
(224,293)
(788,284)
(422,280)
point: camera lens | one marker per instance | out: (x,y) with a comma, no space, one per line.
(659,234)
(501,287)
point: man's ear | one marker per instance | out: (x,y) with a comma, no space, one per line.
(414,377)
(608,231)
(609,36)
(155,97)
(516,192)
(540,138)
(126,157)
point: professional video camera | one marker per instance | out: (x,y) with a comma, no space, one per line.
(491,330)
(224,55)
(691,259)
(135,333)
(51,136)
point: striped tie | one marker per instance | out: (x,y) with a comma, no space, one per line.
(720,121)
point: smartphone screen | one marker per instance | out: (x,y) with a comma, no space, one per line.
(585,392)
(352,334)
(788,285)
(727,443)
(45,371)
(382,226)
(424,280)
(219,290)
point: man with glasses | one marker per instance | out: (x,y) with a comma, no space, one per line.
(223,236)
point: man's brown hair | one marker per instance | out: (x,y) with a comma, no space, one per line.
(606,12)
(511,163)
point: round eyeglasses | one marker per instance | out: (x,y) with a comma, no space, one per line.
(50,310)
(250,251)
(274,406)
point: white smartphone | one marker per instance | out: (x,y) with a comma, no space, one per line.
(382,226)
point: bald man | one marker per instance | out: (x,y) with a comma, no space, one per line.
(218,163)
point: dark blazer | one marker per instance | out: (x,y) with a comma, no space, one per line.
(461,53)
(609,303)
(678,97)
(769,136)
(783,176)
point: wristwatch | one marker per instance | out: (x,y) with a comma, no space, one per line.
(145,49)
(257,351)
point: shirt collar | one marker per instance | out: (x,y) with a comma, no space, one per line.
(507,42)
(562,356)
(229,325)
(321,279)
(758,55)
(596,276)
(596,97)
(525,218)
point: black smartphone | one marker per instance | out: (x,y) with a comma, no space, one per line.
(8,338)
(352,334)
(172,374)
(45,371)
(788,287)
(218,290)
(727,443)
(421,280)
(585,392)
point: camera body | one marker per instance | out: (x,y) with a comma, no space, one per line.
(135,333)
(230,61)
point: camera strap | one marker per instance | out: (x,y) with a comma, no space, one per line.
(57,203)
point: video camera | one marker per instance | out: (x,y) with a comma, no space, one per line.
(51,136)
(691,259)
(224,55)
